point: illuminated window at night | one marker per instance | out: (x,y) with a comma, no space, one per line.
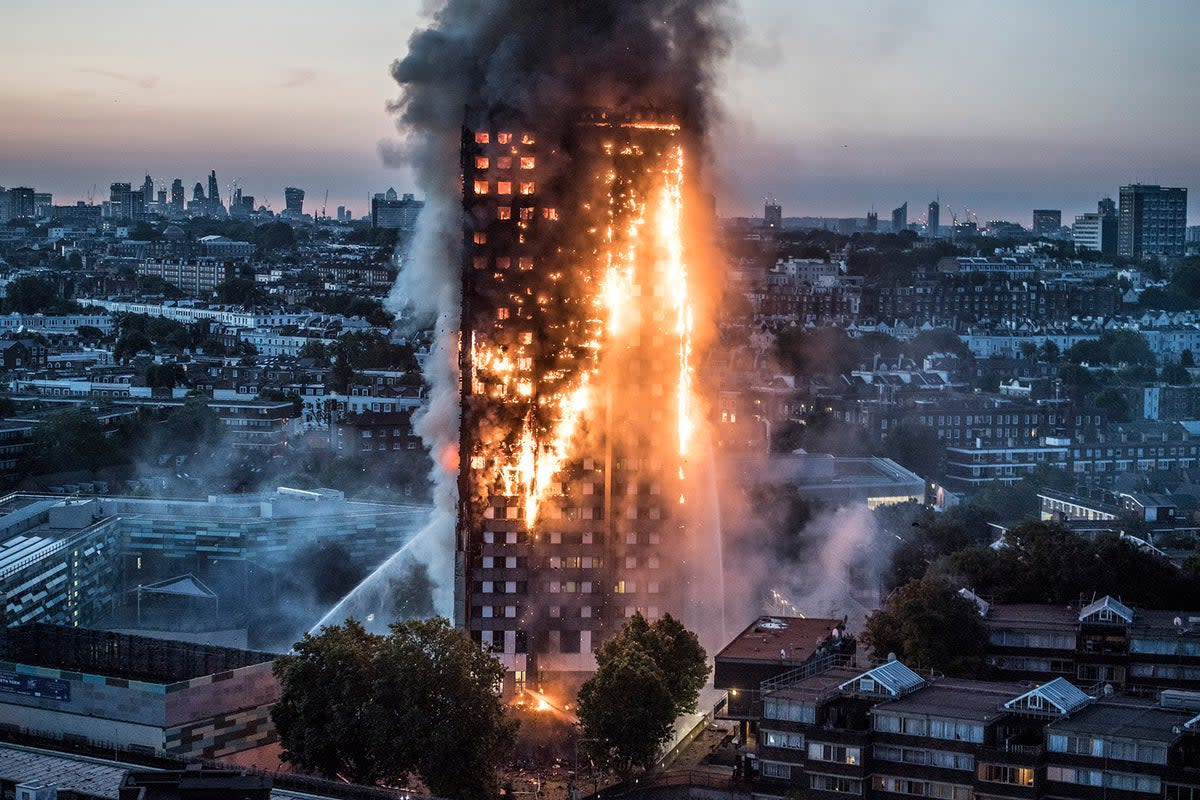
(504,187)
(480,237)
(481,162)
(527,187)
(481,187)
(524,263)
(550,213)
(527,162)
(481,138)
(504,138)
(503,162)
(526,213)
(503,212)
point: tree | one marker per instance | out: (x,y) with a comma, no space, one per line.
(326,686)
(928,625)
(626,710)
(240,292)
(917,447)
(436,712)
(1176,375)
(70,440)
(30,294)
(646,675)
(418,701)
(1186,359)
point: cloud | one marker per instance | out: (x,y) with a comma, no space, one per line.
(296,78)
(141,81)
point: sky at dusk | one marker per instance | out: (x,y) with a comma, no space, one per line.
(831,107)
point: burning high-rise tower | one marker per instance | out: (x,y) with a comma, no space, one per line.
(577,396)
(550,259)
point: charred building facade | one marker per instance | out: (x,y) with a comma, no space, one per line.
(576,385)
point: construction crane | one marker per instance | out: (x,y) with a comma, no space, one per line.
(91,196)
(324,203)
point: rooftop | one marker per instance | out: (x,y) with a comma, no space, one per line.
(119,655)
(977,701)
(1125,720)
(790,640)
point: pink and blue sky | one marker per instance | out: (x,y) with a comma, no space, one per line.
(831,106)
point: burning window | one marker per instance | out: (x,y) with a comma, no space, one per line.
(480,237)
(550,213)
(527,187)
(481,138)
(527,337)
(524,263)
(527,138)
(503,212)
(503,162)
(527,162)
(481,187)
(481,162)
(526,213)
(501,313)
(480,262)
(503,262)
(504,187)
(504,138)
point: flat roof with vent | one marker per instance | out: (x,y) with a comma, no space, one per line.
(779,639)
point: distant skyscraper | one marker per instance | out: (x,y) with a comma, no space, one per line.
(177,195)
(398,214)
(147,192)
(1152,221)
(772,214)
(872,221)
(215,206)
(900,218)
(1088,232)
(1107,209)
(342,216)
(21,202)
(934,220)
(198,192)
(293,200)
(1046,220)
(121,199)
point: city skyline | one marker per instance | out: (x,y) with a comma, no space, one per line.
(1002,113)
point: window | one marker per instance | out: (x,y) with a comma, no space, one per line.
(550,214)
(836,753)
(503,187)
(785,739)
(480,237)
(503,212)
(834,783)
(481,162)
(1004,773)
(527,162)
(527,187)
(526,214)
(503,162)
(504,138)
(774,769)
(481,137)
(481,187)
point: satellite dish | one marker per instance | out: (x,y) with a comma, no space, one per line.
(1178,622)
(1108,690)
(891,656)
